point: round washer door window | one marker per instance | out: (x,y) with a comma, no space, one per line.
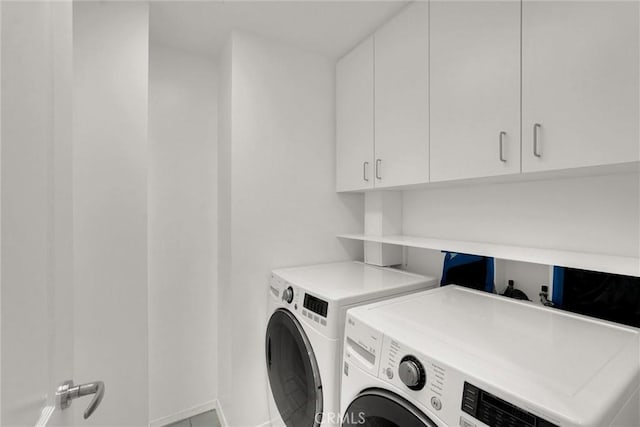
(293,372)
(381,408)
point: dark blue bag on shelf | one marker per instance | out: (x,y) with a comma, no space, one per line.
(470,271)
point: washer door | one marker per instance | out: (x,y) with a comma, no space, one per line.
(294,376)
(381,408)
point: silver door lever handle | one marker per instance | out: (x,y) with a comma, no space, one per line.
(67,392)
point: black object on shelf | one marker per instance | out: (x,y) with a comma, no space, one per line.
(544,296)
(606,296)
(514,293)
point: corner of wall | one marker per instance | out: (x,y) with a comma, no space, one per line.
(183,206)
(224,215)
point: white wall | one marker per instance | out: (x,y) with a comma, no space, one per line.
(590,214)
(1,213)
(527,277)
(110,43)
(284,210)
(225,377)
(34,205)
(182,234)
(596,214)
(61,290)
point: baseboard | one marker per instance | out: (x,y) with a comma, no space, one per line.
(187,413)
(223,419)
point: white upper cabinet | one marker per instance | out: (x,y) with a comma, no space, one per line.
(475,88)
(580,83)
(402,98)
(354,119)
(451,90)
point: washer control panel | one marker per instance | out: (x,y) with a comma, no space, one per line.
(418,376)
(362,347)
(402,367)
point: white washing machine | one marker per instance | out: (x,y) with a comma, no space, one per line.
(307,308)
(457,357)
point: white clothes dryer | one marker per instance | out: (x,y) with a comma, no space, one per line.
(303,343)
(458,357)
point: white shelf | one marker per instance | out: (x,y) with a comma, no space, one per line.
(629,266)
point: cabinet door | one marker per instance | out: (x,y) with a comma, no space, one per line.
(402,98)
(475,88)
(354,119)
(579,83)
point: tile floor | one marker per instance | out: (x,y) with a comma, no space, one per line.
(206,419)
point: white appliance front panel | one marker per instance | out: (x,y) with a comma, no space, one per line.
(565,368)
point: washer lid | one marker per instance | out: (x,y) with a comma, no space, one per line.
(566,363)
(349,281)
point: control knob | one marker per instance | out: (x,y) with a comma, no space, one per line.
(411,373)
(287,295)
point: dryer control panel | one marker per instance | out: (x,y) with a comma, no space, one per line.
(307,307)
(316,305)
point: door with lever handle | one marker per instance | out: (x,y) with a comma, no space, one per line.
(67,392)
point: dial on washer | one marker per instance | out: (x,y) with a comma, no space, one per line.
(287,295)
(412,373)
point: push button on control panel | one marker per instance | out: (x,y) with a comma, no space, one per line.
(470,399)
(466,423)
(436,403)
(389,373)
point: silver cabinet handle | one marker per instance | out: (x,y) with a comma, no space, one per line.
(67,392)
(378,165)
(365,166)
(501,146)
(536,127)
